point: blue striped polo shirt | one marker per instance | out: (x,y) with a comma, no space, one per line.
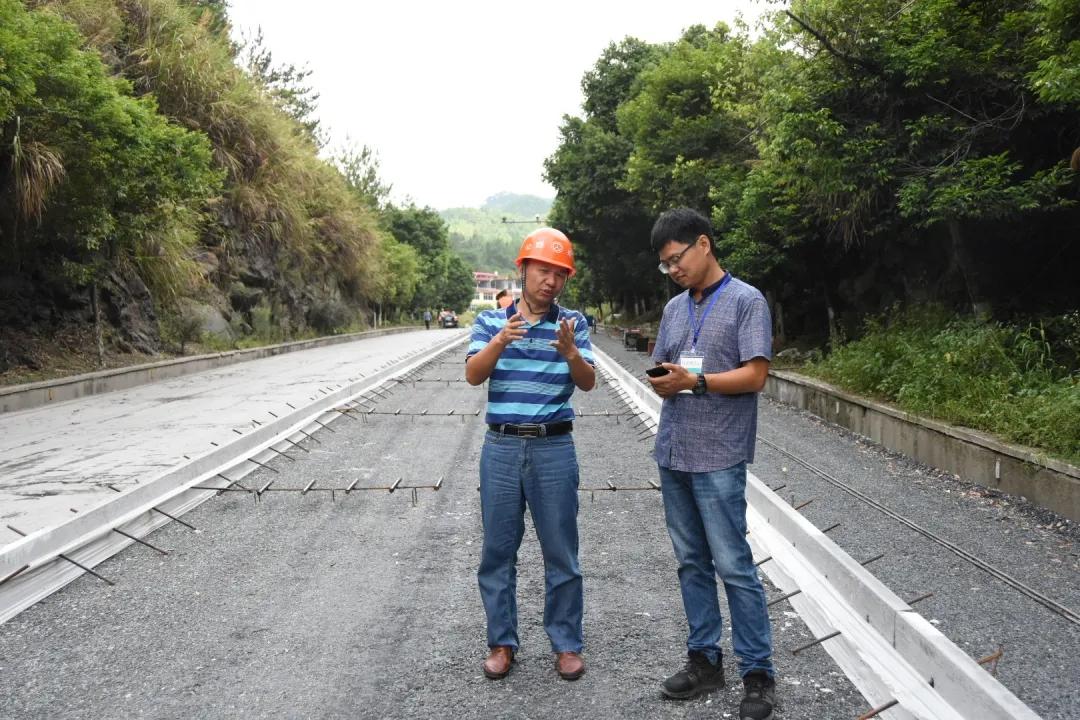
(531,381)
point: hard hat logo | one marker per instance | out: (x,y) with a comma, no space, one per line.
(550,246)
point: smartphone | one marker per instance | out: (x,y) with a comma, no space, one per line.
(657,371)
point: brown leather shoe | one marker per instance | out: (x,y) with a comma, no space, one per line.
(570,665)
(497,665)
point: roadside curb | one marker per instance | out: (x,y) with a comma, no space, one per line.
(46,392)
(973,456)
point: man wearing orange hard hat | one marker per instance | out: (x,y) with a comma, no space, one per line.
(534,353)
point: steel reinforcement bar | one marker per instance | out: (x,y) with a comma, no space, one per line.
(893,655)
(44,561)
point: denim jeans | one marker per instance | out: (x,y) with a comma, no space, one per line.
(543,474)
(706,519)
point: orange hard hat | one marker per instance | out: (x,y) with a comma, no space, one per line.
(550,246)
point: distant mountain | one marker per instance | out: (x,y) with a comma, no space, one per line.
(526,205)
(488,238)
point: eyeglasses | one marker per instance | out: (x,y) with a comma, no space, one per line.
(666,265)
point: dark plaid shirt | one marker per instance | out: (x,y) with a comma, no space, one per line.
(702,433)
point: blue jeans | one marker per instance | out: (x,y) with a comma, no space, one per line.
(706,519)
(542,473)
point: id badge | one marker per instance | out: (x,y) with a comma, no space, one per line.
(693,362)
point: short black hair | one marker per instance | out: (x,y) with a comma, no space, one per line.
(683,225)
(501,293)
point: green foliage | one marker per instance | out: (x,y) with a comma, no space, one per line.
(360,167)
(988,376)
(399,273)
(688,135)
(457,285)
(281,202)
(286,84)
(330,317)
(99,178)
(181,328)
(138,139)
(608,224)
(981,188)
(421,228)
(445,279)
(262,324)
(854,154)
(1055,52)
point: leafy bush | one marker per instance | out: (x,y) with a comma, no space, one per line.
(329,317)
(1007,380)
(100,178)
(262,324)
(181,328)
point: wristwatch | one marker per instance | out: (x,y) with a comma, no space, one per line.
(699,387)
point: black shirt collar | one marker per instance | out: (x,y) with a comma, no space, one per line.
(711,289)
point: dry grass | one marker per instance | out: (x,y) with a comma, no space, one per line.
(37,170)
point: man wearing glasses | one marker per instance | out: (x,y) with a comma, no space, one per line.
(715,342)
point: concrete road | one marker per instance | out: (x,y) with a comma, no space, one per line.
(61,456)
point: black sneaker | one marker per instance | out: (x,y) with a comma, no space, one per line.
(699,676)
(760,697)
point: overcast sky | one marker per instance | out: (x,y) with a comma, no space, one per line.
(461,100)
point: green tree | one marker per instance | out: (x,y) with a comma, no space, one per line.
(446,279)
(686,123)
(914,135)
(287,84)
(458,286)
(91,178)
(422,228)
(360,167)
(608,222)
(397,276)
(852,156)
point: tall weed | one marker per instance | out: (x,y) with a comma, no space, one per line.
(1016,382)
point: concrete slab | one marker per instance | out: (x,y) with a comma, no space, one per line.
(62,456)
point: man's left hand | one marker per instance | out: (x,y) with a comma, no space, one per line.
(564,340)
(675,381)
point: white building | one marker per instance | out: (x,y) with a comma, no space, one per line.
(489,284)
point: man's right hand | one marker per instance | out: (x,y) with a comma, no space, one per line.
(514,329)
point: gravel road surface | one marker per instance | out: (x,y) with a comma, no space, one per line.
(366,605)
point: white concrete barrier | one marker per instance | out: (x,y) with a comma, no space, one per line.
(88,537)
(888,650)
(31,395)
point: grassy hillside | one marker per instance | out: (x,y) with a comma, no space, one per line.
(488,238)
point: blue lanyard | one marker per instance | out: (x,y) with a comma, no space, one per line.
(701,321)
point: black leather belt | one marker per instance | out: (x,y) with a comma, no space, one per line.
(532,430)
